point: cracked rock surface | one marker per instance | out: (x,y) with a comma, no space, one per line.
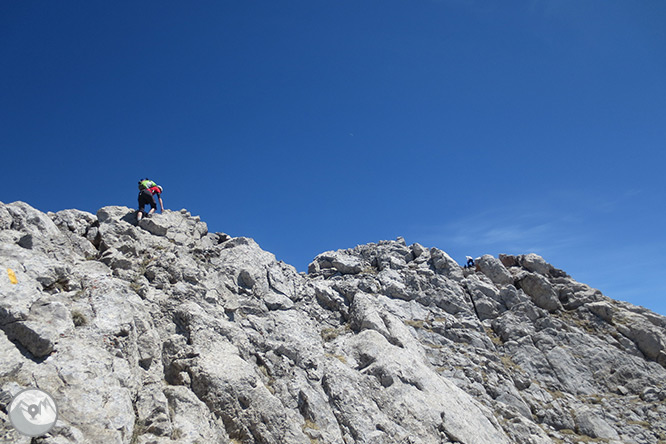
(162,332)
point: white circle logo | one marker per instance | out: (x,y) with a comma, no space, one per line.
(33,412)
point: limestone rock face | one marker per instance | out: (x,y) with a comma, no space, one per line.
(162,332)
(493,268)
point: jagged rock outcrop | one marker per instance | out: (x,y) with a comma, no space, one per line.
(162,332)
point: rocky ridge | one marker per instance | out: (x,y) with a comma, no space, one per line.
(164,332)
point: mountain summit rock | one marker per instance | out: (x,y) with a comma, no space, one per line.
(162,332)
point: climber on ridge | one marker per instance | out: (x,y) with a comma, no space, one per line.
(147,190)
(470,262)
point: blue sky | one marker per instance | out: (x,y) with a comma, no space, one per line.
(476,127)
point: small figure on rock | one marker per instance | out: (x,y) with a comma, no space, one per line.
(147,191)
(470,262)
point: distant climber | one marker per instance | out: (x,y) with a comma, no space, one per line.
(470,262)
(147,191)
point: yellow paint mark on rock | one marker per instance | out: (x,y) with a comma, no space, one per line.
(12,276)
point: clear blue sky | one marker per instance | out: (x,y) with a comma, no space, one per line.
(476,127)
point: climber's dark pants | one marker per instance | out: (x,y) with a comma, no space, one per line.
(146,198)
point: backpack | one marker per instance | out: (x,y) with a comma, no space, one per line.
(146,183)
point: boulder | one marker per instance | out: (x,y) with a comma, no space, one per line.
(493,268)
(445,265)
(338,261)
(590,424)
(535,263)
(649,339)
(540,291)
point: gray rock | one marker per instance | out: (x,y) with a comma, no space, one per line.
(540,291)
(75,221)
(536,264)
(11,358)
(509,260)
(22,217)
(494,269)
(418,250)
(445,265)
(589,424)
(191,418)
(602,309)
(34,336)
(161,332)
(365,315)
(649,338)
(339,261)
